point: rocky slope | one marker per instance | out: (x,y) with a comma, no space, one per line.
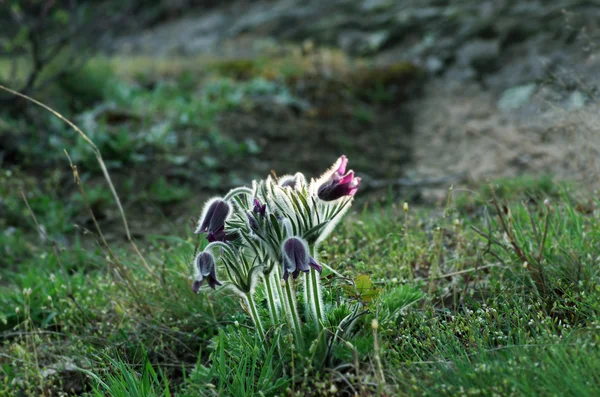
(511,84)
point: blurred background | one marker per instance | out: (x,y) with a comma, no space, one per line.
(186,99)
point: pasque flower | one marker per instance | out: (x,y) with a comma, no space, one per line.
(204,270)
(259,209)
(339,184)
(275,224)
(296,258)
(213,217)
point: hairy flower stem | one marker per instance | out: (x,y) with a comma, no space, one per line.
(309,309)
(274,302)
(271,300)
(279,290)
(255,317)
(317,305)
(316,298)
(237,191)
(293,314)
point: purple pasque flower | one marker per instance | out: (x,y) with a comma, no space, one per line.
(259,209)
(339,184)
(204,269)
(296,258)
(214,216)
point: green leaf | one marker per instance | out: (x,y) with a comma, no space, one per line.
(275,225)
(363,288)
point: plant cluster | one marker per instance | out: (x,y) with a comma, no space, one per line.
(268,236)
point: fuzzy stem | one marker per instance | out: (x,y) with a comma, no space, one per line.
(287,305)
(316,298)
(254,314)
(293,311)
(237,191)
(308,297)
(219,244)
(278,289)
(272,302)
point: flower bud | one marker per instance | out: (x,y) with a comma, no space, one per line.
(296,258)
(204,269)
(214,215)
(339,184)
(259,209)
(375,324)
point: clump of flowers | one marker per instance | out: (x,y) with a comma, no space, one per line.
(267,237)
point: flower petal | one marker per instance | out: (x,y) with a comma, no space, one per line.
(348,178)
(313,263)
(343,163)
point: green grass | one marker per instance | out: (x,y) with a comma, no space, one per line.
(485,326)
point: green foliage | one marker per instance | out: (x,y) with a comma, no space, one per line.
(396,300)
(531,188)
(163,192)
(476,330)
(123,380)
(567,368)
(363,288)
(86,86)
(239,367)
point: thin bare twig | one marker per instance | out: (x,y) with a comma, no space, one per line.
(121,270)
(534,268)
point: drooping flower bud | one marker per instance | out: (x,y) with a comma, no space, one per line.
(213,217)
(296,258)
(339,184)
(204,269)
